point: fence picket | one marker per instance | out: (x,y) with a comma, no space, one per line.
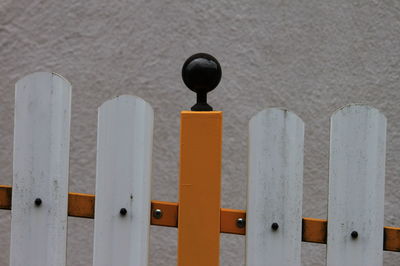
(356,187)
(124,148)
(41,160)
(276,140)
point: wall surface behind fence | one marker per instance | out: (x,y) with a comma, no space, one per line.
(310,56)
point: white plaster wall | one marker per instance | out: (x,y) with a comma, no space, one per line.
(311,56)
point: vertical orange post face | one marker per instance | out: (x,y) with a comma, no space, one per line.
(200,188)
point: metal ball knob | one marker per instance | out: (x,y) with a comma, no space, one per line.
(201,73)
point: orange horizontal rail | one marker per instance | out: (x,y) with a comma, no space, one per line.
(314,230)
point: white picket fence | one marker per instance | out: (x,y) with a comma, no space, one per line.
(123,181)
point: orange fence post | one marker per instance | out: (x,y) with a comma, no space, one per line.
(200,189)
(200,167)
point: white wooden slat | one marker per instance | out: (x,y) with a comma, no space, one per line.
(124,150)
(276,141)
(356,187)
(41,160)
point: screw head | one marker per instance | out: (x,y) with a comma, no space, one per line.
(38,202)
(123,211)
(274,226)
(354,234)
(201,73)
(157,213)
(241,222)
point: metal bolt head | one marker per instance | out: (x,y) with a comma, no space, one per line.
(123,211)
(157,213)
(354,234)
(38,202)
(241,222)
(275,226)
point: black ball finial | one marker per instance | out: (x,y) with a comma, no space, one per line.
(201,73)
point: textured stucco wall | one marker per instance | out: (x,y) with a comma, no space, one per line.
(310,56)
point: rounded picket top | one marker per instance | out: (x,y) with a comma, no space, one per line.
(274,111)
(43,77)
(128,99)
(357,108)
